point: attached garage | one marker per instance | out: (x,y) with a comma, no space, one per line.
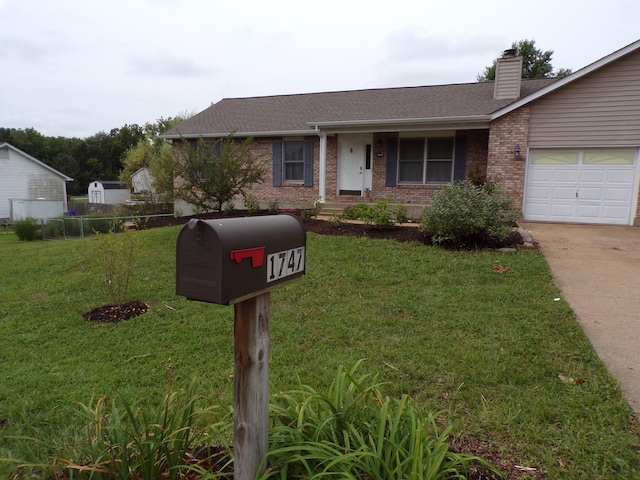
(597,186)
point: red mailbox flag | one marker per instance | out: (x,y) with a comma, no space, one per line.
(255,254)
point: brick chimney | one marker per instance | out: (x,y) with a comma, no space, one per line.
(508,76)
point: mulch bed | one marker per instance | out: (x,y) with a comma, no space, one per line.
(116,313)
(399,233)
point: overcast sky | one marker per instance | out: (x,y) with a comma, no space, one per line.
(74,68)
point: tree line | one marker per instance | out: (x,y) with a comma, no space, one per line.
(101,156)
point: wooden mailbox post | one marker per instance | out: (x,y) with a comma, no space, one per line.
(238,261)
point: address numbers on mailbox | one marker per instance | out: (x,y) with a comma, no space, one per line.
(284,264)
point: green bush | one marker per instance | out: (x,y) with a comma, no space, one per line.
(100,225)
(382,217)
(463,212)
(53,228)
(401,214)
(274,206)
(380,214)
(229,208)
(251,203)
(28,229)
(310,210)
(72,226)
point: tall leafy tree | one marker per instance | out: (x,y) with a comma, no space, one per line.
(535,63)
(210,174)
(155,154)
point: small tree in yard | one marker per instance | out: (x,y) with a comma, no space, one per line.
(208,175)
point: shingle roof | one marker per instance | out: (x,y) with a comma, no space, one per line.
(296,113)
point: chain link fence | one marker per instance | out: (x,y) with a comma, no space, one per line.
(70,227)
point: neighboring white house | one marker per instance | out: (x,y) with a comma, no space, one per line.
(27,180)
(108,192)
(142,182)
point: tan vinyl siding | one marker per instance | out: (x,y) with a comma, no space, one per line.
(601,109)
(508,78)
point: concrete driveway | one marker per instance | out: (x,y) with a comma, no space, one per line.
(597,268)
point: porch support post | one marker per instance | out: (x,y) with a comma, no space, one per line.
(322,174)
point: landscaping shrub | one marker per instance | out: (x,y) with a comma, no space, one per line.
(251,203)
(310,210)
(463,213)
(228,208)
(27,229)
(401,214)
(116,255)
(274,206)
(380,214)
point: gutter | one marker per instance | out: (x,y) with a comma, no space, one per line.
(402,121)
(283,133)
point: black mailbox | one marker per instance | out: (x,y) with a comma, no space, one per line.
(228,260)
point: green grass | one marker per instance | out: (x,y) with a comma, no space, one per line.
(483,348)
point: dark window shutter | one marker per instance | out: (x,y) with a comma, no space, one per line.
(277,164)
(460,159)
(392,162)
(308,163)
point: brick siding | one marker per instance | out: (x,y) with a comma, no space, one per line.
(489,157)
(507,132)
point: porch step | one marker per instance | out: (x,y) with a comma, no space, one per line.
(329,209)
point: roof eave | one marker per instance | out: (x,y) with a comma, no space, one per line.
(568,79)
(468,122)
(275,133)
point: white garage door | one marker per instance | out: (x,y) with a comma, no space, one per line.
(582,186)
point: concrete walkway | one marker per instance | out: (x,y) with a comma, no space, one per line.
(597,268)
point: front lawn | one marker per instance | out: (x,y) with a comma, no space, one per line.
(483,339)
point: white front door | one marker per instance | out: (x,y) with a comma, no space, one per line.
(582,186)
(352,163)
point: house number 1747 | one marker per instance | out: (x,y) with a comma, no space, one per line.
(283,264)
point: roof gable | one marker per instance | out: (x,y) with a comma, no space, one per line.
(8,146)
(597,65)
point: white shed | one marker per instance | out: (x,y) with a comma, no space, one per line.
(24,178)
(142,182)
(108,192)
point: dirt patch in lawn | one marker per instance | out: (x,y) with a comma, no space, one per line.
(116,313)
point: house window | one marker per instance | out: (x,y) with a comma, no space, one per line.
(411,160)
(293,161)
(439,160)
(425,160)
